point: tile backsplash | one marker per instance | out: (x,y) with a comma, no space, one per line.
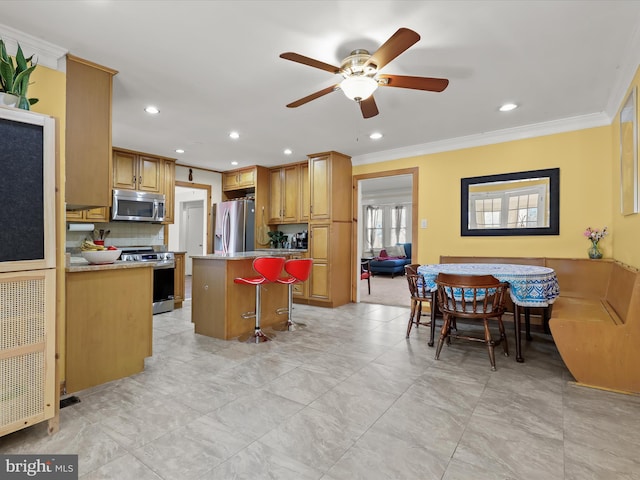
(123,234)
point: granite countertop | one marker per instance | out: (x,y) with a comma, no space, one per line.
(267,252)
(79,264)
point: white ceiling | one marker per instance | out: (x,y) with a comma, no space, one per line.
(214,66)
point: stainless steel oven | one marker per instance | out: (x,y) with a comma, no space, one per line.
(164,265)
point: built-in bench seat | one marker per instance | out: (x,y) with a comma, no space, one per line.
(595,321)
(597,331)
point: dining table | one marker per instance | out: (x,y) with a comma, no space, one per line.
(529,286)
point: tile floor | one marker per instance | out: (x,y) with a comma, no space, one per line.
(349,398)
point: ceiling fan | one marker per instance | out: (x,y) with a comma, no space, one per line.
(360,72)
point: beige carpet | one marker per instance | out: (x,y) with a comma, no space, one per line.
(386,291)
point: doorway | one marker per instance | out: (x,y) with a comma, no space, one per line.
(405,180)
(193,231)
(187,233)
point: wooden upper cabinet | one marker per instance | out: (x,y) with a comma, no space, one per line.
(275,196)
(169,190)
(284,194)
(144,172)
(304,196)
(88,134)
(134,171)
(320,182)
(239,179)
(330,187)
(150,174)
(100,214)
(290,192)
(124,170)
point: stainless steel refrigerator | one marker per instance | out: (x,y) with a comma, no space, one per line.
(234,226)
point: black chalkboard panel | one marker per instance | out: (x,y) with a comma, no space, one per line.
(21,191)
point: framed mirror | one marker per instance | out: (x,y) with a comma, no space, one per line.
(521,203)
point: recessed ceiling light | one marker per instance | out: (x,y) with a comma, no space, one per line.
(234,163)
(287,151)
(179,150)
(507,107)
(234,135)
(151,109)
(375,136)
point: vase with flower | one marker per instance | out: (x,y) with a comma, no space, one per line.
(594,236)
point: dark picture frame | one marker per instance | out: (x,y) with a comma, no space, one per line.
(553,227)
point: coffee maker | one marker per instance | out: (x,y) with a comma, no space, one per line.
(300,240)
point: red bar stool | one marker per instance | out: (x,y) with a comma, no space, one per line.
(298,270)
(269,269)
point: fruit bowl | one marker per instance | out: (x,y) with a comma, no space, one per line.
(100,257)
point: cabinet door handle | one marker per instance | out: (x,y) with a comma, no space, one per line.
(140,180)
(134,180)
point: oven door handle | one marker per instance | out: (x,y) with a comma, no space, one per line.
(164,264)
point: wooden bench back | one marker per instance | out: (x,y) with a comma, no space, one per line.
(581,278)
(514,260)
(624,288)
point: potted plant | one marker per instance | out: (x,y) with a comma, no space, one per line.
(277,238)
(14,76)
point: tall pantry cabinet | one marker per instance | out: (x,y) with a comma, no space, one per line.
(27,269)
(330,228)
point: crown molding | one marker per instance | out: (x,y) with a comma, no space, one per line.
(488,138)
(45,53)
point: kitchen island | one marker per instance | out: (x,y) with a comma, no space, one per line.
(109,321)
(218,303)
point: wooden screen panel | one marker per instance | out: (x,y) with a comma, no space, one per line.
(27,350)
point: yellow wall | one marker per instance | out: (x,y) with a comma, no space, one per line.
(626,229)
(585,193)
(49,86)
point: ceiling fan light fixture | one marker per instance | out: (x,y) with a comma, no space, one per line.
(358,88)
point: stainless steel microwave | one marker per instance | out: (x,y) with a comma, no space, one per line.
(137,206)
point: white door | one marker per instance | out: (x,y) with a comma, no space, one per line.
(193,217)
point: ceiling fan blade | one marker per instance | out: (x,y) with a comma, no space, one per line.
(416,83)
(295,57)
(398,43)
(313,96)
(368,107)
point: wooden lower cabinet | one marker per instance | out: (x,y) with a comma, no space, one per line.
(108,330)
(330,280)
(300,290)
(178,280)
(320,282)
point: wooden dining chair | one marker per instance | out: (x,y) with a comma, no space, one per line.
(419,294)
(365,273)
(472,297)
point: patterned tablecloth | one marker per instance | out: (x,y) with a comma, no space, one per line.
(529,285)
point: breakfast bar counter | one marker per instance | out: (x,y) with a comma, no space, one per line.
(218,303)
